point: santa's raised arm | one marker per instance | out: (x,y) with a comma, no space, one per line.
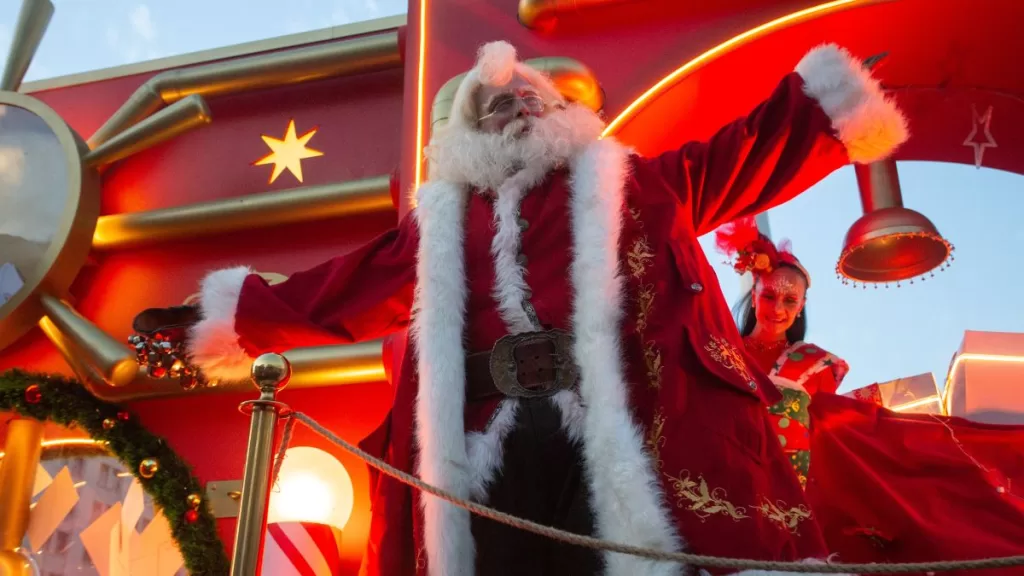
(573,360)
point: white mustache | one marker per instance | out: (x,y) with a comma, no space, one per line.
(518,127)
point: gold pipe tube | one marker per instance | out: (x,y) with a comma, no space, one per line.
(542,13)
(172,121)
(33,19)
(346,57)
(303,204)
(318,366)
(89,375)
(22,451)
(573,79)
(270,372)
(312,367)
(113,360)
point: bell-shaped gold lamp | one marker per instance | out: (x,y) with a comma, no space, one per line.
(889,243)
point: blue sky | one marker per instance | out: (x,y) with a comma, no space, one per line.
(884,334)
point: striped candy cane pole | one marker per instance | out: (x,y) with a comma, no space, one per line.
(302,549)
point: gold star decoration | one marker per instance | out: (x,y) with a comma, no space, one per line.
(288,154)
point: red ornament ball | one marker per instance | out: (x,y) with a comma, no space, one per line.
(33,394)
(123,416)
(192,516)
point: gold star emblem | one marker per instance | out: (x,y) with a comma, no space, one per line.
(289,153)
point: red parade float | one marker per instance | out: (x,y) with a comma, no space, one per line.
(286,152)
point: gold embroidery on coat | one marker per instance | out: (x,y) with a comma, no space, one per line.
(788,518)
(645,299)
(656,438)
(421,559)
(724,353)
(652,358)
(704,502)
(639,257)
(635,213)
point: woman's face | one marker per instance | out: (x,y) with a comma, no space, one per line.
(778,299)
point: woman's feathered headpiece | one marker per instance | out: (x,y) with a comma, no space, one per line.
(751,251)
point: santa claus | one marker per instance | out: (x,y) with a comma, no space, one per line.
(573,360)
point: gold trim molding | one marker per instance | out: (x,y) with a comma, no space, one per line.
(303,204)
(358,55)
(574,80)
(223,53)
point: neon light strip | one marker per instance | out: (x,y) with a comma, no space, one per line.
(420,73)
(720,50)
(947,392)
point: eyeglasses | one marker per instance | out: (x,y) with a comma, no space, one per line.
(508,105)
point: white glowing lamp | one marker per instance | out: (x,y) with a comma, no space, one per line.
(313,486)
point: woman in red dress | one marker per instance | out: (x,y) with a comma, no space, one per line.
(773,323)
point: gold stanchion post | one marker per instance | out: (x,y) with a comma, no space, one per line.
(22,451)
(270,373)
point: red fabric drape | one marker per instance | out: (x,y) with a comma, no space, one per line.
(892,487)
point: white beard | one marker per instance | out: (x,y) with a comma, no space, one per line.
(460,155)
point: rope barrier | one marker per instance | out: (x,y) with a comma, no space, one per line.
(598,544)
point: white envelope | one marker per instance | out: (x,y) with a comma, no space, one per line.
(10,282)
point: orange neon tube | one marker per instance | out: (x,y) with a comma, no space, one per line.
(724,48)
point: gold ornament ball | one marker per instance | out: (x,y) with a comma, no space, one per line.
(109,423)
(194,500)
(148,468)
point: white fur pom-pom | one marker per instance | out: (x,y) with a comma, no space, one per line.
(496,63)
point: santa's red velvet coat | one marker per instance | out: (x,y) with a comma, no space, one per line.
(670,410)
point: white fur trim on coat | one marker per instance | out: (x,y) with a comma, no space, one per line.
(486,450)
(437,330)
(213,342)
(628,503)
(866,122)
(509,275)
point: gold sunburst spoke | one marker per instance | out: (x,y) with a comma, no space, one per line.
(32,23)
(176,119)
(114,361)
(303,204)
(359,55)
(89,375)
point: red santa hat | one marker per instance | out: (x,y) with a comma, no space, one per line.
(496,65)
(751,251)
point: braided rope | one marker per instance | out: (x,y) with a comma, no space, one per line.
(681,557)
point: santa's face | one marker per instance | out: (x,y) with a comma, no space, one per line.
(498,106)
(515,130)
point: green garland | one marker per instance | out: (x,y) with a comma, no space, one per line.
(67,402)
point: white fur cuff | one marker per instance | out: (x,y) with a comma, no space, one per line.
(867,123)
(213,342)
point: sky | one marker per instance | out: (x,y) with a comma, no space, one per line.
(883,334)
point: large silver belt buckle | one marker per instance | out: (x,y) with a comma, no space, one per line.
(504,370)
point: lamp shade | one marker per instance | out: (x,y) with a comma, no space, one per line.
(312,486)
(889,243)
